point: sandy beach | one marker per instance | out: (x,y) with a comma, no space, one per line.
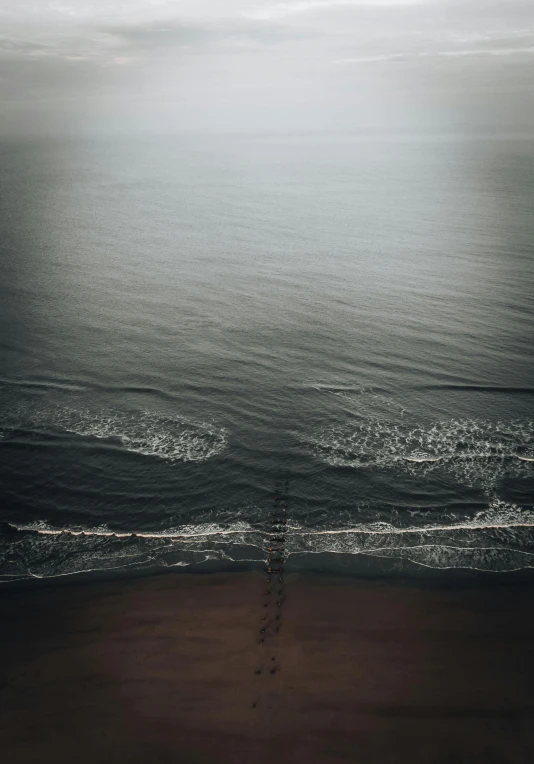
(170,669)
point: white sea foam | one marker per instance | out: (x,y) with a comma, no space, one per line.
(495,539)
(172,438)
(190,533)
(444,557)
(42,550)
(477,453)
(526,454)
(421,458)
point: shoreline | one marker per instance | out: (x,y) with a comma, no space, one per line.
(325,564)
(163,668)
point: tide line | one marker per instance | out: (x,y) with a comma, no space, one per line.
(295,531)
(427,529)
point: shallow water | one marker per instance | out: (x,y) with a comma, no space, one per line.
(186,320)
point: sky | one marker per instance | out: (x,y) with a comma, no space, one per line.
(266,65)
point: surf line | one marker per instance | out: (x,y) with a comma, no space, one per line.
(427,529)
(125,534)
(274,593)
(390,530)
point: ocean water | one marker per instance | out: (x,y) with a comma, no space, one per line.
(185,320)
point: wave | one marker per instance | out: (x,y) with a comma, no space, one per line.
(420,458)
(526,454)
(172,438)
(43,384)
(186,533)
(361,399)
(39,550)
(496,539)
(477,453)
(508,390)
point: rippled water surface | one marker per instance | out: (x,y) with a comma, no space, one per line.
(186,320)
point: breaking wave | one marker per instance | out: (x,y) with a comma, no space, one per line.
(39,550)
(476,453)
(173,438)
(496,539)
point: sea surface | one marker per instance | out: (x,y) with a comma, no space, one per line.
(186,320)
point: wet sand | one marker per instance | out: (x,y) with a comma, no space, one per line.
(163,669)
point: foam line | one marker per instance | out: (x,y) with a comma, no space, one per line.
(475,452)
(125,534)
(296,531)
(173,439)
(425,529)
(388,549)
(455,567)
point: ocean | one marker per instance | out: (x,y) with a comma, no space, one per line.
(186,320)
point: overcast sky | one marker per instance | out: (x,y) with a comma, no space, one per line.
(288,65)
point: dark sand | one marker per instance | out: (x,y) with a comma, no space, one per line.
(163,670)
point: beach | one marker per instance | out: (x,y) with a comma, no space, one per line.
(170,668)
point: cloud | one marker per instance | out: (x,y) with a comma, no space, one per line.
(180,35)
(9,45)
(466,53)
(488,52)
(208,61)
(516,44)
(370,59)
(281,9)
